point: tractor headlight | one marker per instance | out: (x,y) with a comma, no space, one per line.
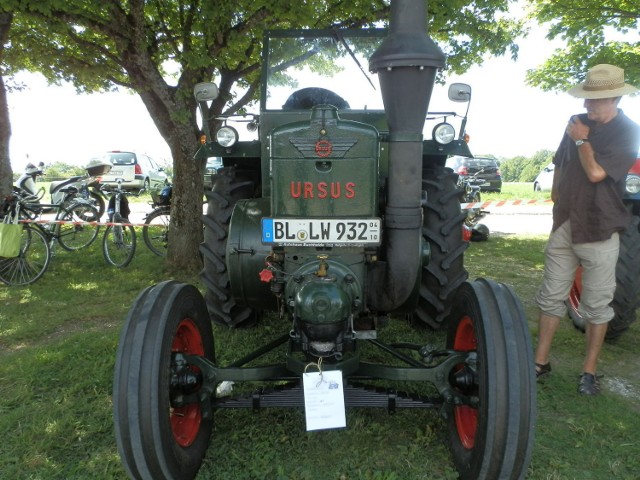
(633,184)
(227,136)
(444,133)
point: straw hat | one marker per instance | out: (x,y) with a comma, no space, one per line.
(603,81)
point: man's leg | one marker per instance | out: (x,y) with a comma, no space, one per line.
(559,272)
(599,261)
(547,329)
(595,339)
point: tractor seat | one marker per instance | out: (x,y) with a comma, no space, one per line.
(307,98)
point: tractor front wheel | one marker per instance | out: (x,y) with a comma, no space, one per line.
(162,429)
(492,420)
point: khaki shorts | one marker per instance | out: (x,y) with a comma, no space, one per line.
(562,258)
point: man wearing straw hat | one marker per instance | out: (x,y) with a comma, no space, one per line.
(596,152)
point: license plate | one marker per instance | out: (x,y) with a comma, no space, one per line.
(125,172)
(321,232)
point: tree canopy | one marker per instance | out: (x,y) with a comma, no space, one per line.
(162,48)
(595,32)
(525,169)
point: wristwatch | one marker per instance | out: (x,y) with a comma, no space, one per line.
(580,142)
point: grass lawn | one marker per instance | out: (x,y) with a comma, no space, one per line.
(58,340)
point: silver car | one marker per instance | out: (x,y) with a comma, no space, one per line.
(138,170)
(544,180)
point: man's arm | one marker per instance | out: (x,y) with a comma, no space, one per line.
(579,131)
(595,173)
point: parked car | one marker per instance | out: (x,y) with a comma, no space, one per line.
(632,187)
(480,167)
(138,170)
(544,180)
(212,167)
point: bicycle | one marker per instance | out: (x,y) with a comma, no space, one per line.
(155,232)
(119,241)
(75,227)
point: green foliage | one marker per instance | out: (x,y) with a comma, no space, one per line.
(162,48)
(62,170)
(595,32)
(525,169)
(516,191)
(58,341)
(90,44)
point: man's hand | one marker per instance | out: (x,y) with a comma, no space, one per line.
(579,131)
(576,129)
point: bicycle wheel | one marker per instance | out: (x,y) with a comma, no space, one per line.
(78,234)
(31,262)
(119,245)
(156,230)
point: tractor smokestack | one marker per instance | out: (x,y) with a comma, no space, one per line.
(406,63)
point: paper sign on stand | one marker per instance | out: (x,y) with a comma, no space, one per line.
(324,400)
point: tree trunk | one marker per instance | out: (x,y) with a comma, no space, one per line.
(6,174)
(186,202)
(173,110)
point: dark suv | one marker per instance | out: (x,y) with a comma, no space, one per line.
(480,167)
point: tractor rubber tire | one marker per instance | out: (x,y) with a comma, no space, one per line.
(491,427)
(442,228)
(158,439)
(626,298)
(228,187)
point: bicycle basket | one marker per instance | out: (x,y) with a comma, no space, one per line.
(162,196)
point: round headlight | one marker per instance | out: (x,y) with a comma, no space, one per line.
(633,184)
(227,136)
(444,133)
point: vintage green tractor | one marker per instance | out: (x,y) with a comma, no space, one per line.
(336,217)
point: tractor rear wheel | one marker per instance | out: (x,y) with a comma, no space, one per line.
(626,298)
(442,228)
(491,430)
(228,187)
(158,436)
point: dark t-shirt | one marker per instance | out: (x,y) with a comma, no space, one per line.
(596,210)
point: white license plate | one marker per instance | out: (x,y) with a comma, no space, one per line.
(125,172)
(321,232)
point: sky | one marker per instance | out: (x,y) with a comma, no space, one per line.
(506,118)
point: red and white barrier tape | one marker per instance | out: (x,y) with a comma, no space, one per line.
(504,203)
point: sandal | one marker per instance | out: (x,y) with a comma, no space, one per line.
(589,384)
(543,369)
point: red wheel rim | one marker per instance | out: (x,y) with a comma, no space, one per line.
(185,421)
(465,416)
